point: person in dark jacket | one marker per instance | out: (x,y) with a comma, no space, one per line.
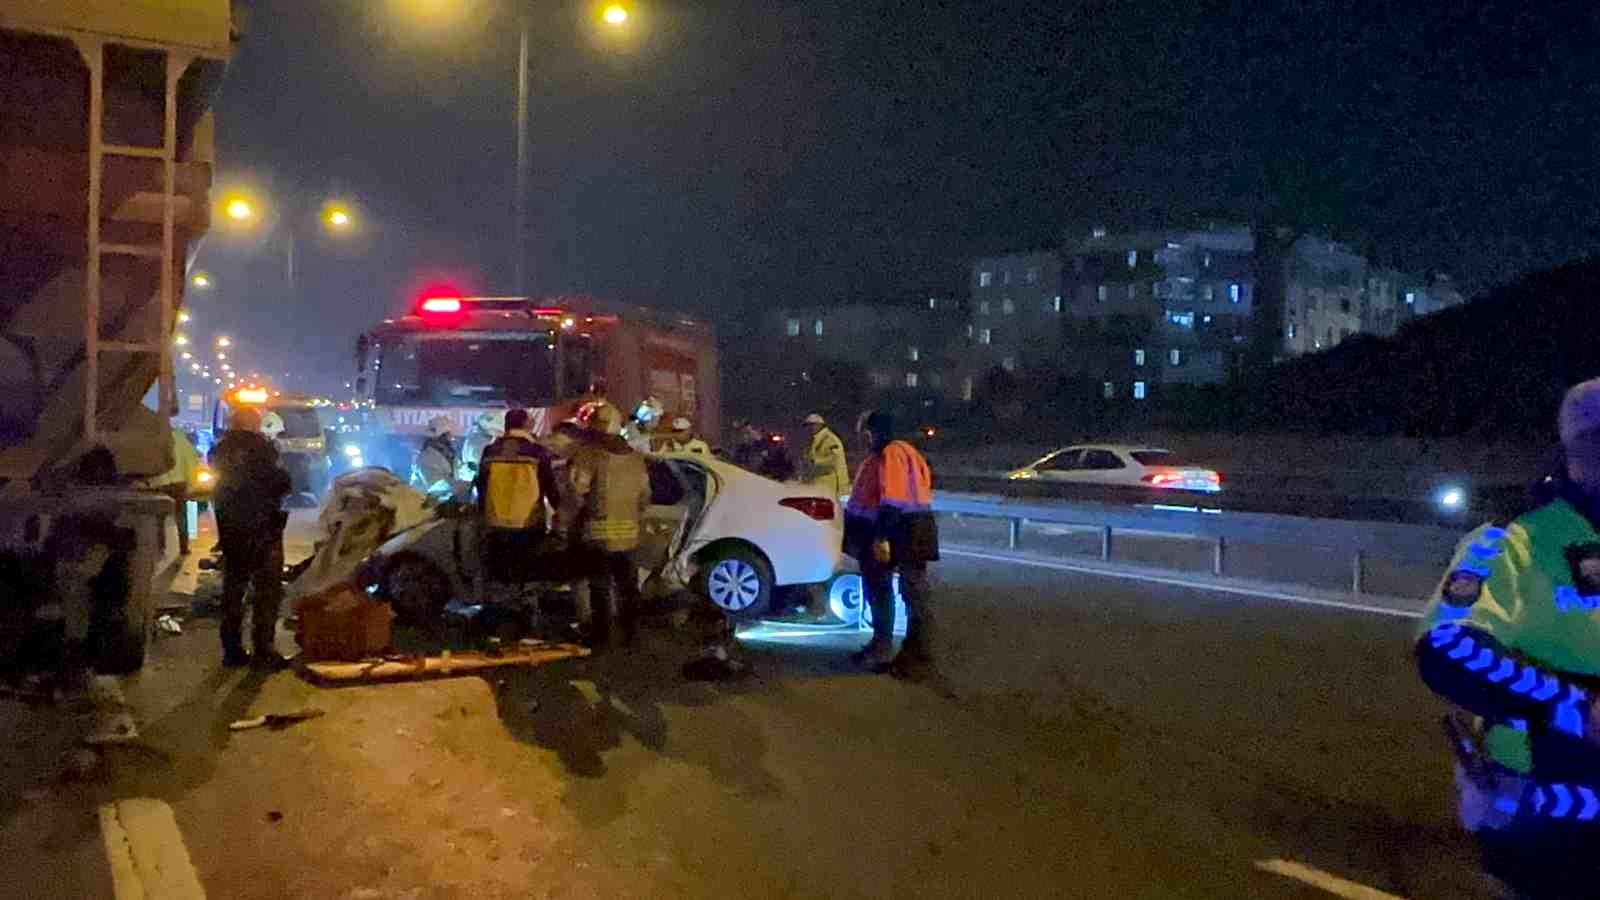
(250,489)
(519,443)
(890,529)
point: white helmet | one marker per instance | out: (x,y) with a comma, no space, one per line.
(271,425)
(682,423)
(441,425)
(492,422)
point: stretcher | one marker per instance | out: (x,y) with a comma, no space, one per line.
(444,665)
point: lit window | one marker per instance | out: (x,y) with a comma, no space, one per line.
(983,308)
(914,354)
(1206,293)
(1234,292)
(986,336)
(911,379)
(1206,319)
(1138,390)
(1100,293)
(792,327)
(1133,259)
(966,389)
(1099,231)
(1007,307)
(817,328)
(1291,331)
(1206,261)
(970,329)
(1411,298)
(1005,276)
(1108,390)
(933,302)
(985,279)
(1183,319)
(1009,364)
(1175,357)
(1138,357)
(1033,275)
(1133,292)
(1058,303)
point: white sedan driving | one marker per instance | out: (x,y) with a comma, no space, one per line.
(1120,464)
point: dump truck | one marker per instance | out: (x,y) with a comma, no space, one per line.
(105,174)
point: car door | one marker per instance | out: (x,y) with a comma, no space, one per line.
(664,518)
(1061,466)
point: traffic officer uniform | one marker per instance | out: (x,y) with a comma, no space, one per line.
(827,468)
(1512,635)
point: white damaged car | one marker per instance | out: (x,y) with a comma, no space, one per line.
(730,535)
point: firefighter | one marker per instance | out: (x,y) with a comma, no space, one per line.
(826,467)
(485,429)
(437,457)
(890,530)
(607,493)
(682,439)
(249,493)
(1511,636)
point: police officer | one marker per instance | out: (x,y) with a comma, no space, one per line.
(890,529)
(1512,637)
(250,490)
(826,467)
(682,439)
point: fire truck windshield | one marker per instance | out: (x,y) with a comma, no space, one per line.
(464,369)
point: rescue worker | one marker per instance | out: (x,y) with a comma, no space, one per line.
(250,489)
(826,467)
(607,492)
(518,442)
(683,439)
(437,457)
(642,424)
(1511,636)
(175,482)
(890,529)
(749,446)
(485,429)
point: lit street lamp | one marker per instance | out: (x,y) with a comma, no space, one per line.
(239,209)
(201,280)
(616,14)
(222,341)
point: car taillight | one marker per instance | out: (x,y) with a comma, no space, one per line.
(1162,479)
(819,508)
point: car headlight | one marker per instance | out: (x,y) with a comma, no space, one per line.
(352,450)
(1020,474)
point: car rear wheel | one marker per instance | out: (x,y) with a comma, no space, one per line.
(737,581)
(417,590)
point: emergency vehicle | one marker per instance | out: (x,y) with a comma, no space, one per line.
(460,357)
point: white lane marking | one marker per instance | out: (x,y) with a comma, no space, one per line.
(148,858)
(1176,581)
(1322,881)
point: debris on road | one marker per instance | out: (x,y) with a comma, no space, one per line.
(169,625)
(714,664)
(276,721)
(446,664)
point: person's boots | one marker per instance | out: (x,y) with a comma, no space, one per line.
(233,655)
(875,656)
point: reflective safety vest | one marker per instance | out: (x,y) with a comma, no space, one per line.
(511,495)
(1513,635)
(898,477)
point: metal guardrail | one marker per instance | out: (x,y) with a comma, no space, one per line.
(1358,540)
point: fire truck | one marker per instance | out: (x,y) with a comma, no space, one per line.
(460,357)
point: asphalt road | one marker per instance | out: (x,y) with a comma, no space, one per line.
(1105,738)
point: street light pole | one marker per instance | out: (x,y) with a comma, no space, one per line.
(521,237)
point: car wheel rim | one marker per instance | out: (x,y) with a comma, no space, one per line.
(734,585)
(845,598)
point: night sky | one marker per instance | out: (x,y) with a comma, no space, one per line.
(733,157)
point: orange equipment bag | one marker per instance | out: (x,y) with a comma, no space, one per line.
(343,623)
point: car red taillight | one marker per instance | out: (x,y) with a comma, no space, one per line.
(1162,479)
(819,508)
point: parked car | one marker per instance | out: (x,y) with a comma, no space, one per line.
(1120,464)
(732,536)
